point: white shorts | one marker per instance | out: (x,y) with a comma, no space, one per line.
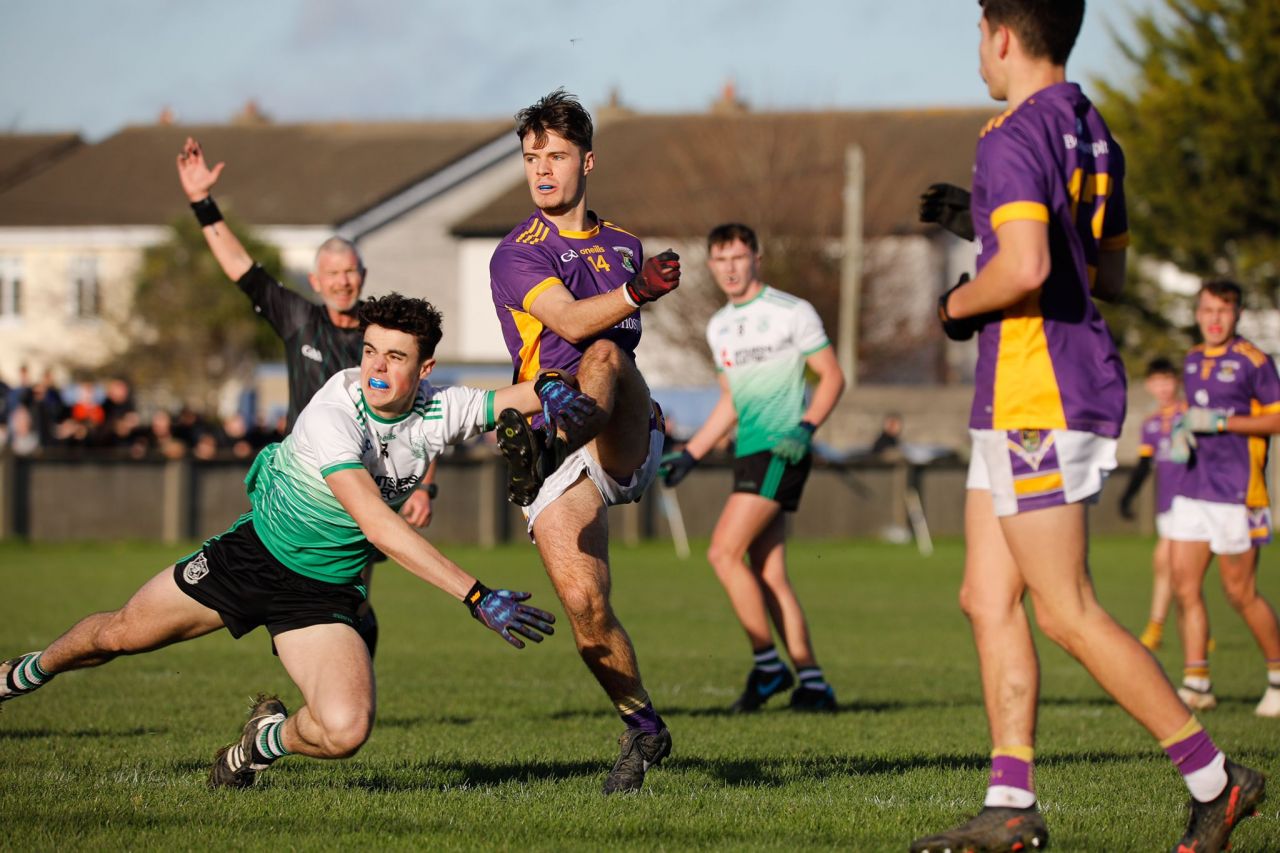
(1228,528)
(1034,469)
(614,493)
(1165,524)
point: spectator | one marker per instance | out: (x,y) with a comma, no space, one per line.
(23,438)
(888,443)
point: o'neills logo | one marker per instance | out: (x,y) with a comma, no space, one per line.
(196,569)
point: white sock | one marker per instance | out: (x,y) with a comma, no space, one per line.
(1198,683)
(1209,781)
(1005,796)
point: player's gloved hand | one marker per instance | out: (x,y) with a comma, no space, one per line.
(564,406)
(794,446)
(659,276)
(674,467)
(1199,419)
(500,610)
(1182,441)
(948,205)
(964,328)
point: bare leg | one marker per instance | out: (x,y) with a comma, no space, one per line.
(331,667)
(620,429)
(1189,562)
(768,555)
(1049,546)
(1240,583)
(573,538)
(158,614)
(991,596)
(1162,580)
(744,517)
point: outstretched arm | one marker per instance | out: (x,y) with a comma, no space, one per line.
(197,182)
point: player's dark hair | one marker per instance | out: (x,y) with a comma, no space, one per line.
(1224,289)
(730,231)
(1161,366)
(559,112)
(1046,28)
(417,317)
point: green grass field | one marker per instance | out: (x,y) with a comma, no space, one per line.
(478,746)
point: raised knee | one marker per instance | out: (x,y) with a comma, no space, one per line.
(602,352)
(345,731)
(588,610)
(1239,595)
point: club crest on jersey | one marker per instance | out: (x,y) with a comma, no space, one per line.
(196,569)
(1030,446)
(628,258)
(1227,371)
(418,446)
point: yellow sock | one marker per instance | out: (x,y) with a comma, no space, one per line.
(1152,635)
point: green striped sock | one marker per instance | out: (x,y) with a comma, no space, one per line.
(270,743)
(27,674)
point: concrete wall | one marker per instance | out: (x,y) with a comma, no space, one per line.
(58,500)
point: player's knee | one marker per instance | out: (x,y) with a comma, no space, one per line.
(977,605)
(723,558)
(345,730)
(588,610)
(1239,593)
(602,353)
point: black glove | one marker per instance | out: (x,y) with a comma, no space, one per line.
(948,205)
(659,276)
(675,467)
(963,329)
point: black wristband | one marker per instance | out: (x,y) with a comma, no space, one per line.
(432,490)
(475,595)
(810,427)
(549,377)
(206,210)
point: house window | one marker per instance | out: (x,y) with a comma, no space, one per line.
(10,287)
(86,298)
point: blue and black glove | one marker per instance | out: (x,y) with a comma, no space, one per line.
(794,446)
(674,467)
(500,610)
(948,205)
(563,405)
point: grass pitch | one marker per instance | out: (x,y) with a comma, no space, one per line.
(478,746)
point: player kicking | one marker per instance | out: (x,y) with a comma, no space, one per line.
(1162,384)
(319,340)
(762,341)
(1048,208)
(567,287)
(320,501)
(1222,506)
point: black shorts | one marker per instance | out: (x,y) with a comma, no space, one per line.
(238,577)
(771,477)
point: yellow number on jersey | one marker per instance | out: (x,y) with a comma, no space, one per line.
(599,262)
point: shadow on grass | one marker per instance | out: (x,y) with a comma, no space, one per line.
(36,734)
(765,772)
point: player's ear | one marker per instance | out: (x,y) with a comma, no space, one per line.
(588,162)
(425,370)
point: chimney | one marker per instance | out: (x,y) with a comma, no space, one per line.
(250,114)
(613,110)
(166,117)
(729,103)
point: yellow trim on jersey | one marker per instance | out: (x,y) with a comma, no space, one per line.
(1051,482)
(1146,450)
(530,331)
(1026,394)
(609,224)
(1017,210)
(1114,243)
(1257,496)
(539,289)
(1256,357)
(535,233)
(996,122)
(581,235)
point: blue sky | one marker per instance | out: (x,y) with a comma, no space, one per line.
(95,67)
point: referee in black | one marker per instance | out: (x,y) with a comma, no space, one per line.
(319,340)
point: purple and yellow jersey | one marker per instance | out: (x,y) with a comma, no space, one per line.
(536,256)
(1242,379)
(1050,363)
(1155,446)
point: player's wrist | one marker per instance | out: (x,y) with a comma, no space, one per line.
(474,596)
(808,426)
(206,211)
(630,296)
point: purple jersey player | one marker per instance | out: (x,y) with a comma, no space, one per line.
(567,287)
(1154,451)
(1048,211)
(1222,506)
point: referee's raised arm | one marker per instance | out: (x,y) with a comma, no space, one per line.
(197,182)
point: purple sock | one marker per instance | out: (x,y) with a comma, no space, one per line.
(644,718)
(1192,753)
(1011,772)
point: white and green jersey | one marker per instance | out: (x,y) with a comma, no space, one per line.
(761,346)
(296,515)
